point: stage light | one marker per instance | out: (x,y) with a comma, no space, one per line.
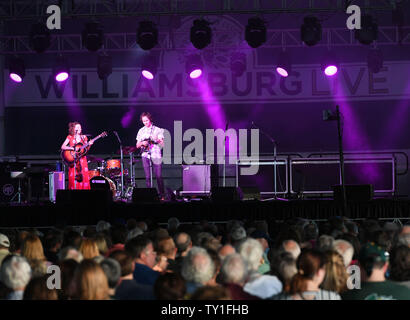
(255,32)
(368,32)
(147,35)
(40,38)
(17,69)
(238,63)
(311,31)
(283,66)
(330,64)
(61,71)
(92,36)
(104,66)
(194,66)
(375,60)
(201,34)
(149,67)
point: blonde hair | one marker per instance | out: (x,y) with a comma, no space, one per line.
(32,248)
(336,274)
(89,248)
(90,282)
(101,243)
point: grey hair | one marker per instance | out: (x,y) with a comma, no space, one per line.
(403,239)
(345,249)
(287,267)
(15,272)
(198,266)
(70,253)
(234,269)
(112,270)
(326,242)
(292,247)
(251,250)
(173,222)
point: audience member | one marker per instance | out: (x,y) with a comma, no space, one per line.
(4,247)
(170,286)
(15,274)
(37,289)
(112,270)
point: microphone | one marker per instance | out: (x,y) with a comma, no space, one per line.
(226,127)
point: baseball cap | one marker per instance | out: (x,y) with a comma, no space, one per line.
(4,240)
(370,250)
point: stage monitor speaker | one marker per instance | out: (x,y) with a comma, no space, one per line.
(225,194)
(250,193)
(354,193)
(145,195)
(83,198)
(198,178)
(56,181)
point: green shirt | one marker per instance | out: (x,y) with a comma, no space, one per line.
(382,290)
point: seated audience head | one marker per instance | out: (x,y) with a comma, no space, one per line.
(286,270)
(325,243)
(251,250)
(310,264)
(336,274)
(170,286)
(112,270)
(90,282)
(225,251)
(37,289)
(400,264)
(67,267)
(234,269)
(100,240)
(126,262)
(15,272)
(374,260)
(103,226)
(67,253)
(119,234)
(142,250)
(345,249)
(166,247)
(238,235)
(197,266)
(183,243)
(89,249)
(32,248)
(292,247)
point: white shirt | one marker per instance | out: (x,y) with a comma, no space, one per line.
(154,133)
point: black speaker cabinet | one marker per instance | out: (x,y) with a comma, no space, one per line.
(354,193)
(145,195)
(225,194)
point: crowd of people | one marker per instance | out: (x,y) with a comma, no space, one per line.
(296,259)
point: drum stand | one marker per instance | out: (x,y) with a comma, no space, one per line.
(122,165)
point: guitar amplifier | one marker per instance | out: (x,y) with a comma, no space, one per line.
(56,181)
(199,179)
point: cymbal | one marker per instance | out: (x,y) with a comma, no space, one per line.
(93,159)
(128,149)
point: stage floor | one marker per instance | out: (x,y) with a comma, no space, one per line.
(89,213)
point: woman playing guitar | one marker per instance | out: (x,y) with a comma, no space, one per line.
(78,172)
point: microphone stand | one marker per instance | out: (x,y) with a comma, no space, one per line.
(224,167)
(122,164)
(274,162)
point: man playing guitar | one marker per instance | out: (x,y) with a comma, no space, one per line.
(150,139)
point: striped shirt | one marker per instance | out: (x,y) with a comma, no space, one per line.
(153,133)
(307,295)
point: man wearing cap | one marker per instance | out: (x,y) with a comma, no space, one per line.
(374,262)
(4,247)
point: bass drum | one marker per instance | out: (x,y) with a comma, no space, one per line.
(103,183)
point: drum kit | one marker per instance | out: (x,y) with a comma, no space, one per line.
(109,171)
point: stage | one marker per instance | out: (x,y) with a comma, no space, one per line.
(89,213)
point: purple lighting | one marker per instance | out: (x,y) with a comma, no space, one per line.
(15,77)
(195,74)
(282,72)
(147,74)
(331,70)
(62,76)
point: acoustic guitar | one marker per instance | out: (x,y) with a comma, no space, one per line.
(80,150)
